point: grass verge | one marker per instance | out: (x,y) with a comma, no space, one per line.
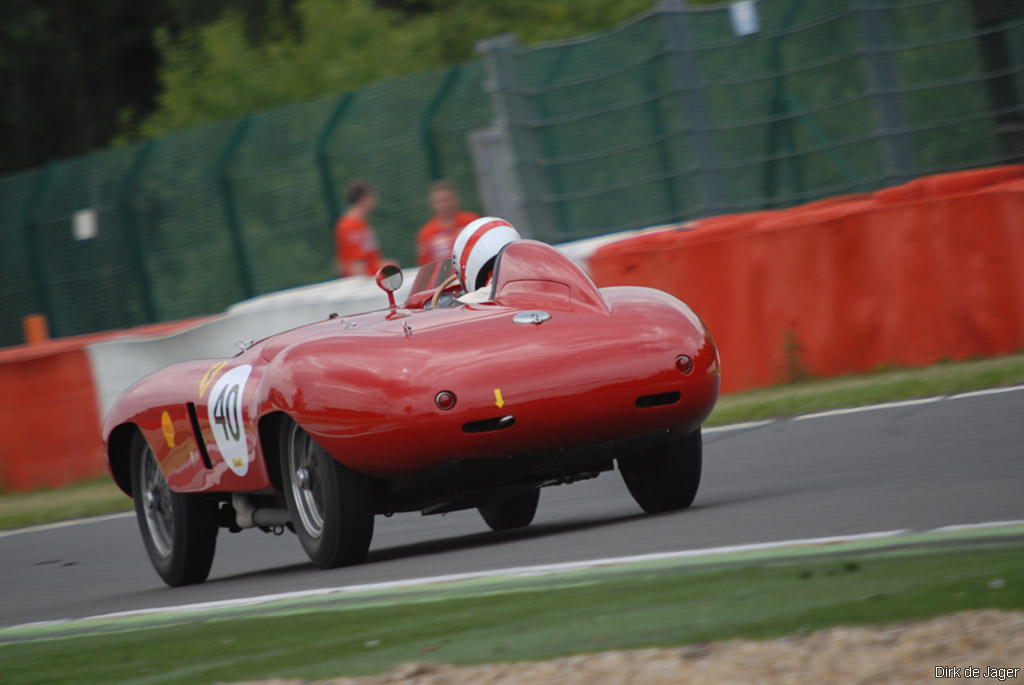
(881,386)
(21,509)
(92,499)
(642,607)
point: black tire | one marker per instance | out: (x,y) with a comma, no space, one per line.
(514,512)
(179,530)
(667,477)
(331,506)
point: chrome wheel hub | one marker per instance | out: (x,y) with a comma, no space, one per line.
(306,490)
(157,505)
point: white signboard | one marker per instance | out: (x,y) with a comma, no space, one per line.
(84,225)
(745,20)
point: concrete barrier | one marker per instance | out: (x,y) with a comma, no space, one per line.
(910,275)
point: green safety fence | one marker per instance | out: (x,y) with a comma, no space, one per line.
(19,271)
(673,115)
(605,113)
(191,222)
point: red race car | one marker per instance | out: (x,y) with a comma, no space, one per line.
(434,406)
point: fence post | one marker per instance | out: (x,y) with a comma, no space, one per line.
(516,119)
(324,165)
(664,147)
(549,141)
(228,199)
(898,147)
(132,228)
(434,166)
(674,16)
(42,287)
(780,130)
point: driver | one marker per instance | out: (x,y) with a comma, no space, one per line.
(475,253)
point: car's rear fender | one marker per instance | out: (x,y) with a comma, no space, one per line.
(271,429)
(119,455)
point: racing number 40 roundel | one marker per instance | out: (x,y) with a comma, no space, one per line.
(224,410)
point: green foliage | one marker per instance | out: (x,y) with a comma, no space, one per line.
(76,73)
(318,47)
(64,86)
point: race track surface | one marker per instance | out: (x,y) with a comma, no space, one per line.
(954,461)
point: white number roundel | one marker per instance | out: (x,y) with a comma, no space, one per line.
(224,410)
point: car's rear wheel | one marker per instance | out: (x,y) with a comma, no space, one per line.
(513,512)
(666,478)
(331,506)
(179,530)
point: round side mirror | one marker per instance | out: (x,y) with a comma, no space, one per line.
(389,278)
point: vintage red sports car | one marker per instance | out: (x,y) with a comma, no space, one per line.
(434,406)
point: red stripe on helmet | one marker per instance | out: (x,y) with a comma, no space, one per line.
(474,239)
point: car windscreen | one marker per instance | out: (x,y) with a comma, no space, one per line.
(431,275)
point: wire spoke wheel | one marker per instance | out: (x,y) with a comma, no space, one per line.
(157,506)
(306,481)
(331,506)
(178,529)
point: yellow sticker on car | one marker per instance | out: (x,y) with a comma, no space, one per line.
(168,428)
(208,377)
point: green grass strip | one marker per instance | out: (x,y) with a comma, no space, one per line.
(888,385)
(21,509)
(640,607)
(417,591)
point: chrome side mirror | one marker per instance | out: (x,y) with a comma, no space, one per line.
(389,279)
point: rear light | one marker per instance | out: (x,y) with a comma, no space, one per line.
(445,400)
(684,364)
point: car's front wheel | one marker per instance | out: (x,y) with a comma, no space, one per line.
(331,506)
(666,478)
(513,512)
(179,530)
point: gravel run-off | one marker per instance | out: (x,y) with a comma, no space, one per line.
(898,653)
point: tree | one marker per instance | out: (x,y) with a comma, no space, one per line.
(77,73)
(318,47)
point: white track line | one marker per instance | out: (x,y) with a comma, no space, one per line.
(512,572)
(737,426)
(520,571)
(746,425)
(909,403)
(66,524)
(975,526)
(987,391)
(869,407)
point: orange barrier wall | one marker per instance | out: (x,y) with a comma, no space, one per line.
(49,422)
(909,275)
(49,412)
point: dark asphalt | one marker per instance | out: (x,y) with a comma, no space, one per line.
(951,462)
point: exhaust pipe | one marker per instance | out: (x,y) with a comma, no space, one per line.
(248,515)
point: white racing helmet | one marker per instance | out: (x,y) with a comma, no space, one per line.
(477,247)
